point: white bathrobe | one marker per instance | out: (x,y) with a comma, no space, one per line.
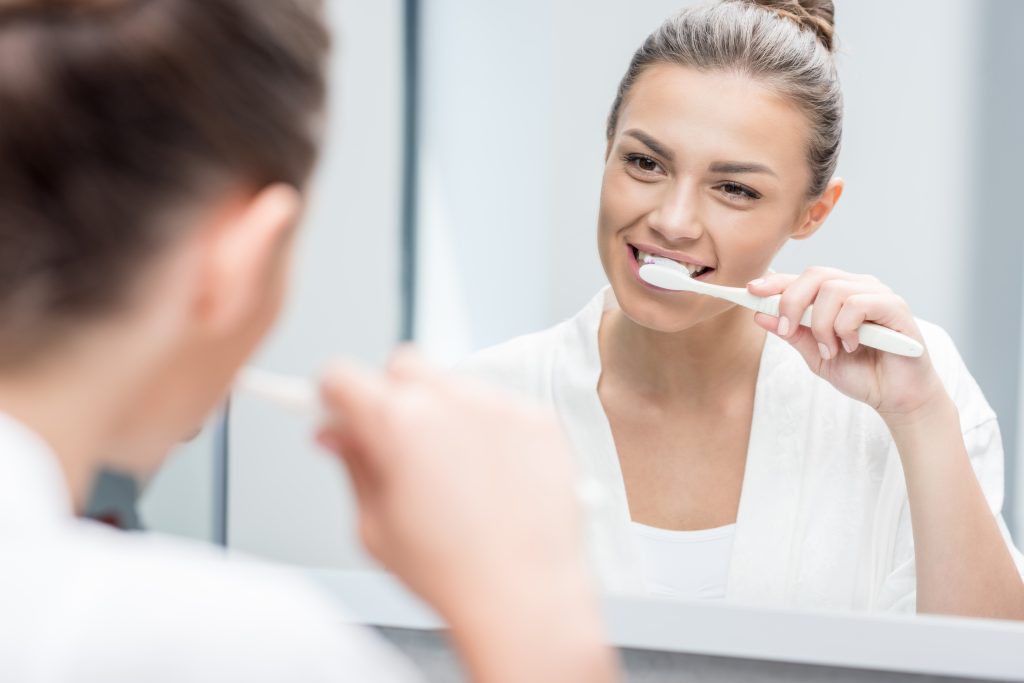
(823,519)
(81,602)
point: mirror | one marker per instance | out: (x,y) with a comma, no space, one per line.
(509,156)
(511,172)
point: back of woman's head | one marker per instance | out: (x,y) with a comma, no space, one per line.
(116,116)
(785,44)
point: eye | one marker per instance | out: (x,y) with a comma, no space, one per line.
(642,164)
(737,191)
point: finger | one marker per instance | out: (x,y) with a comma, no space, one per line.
(802,340)
(829,301)
(328,440)
(356,398)
(357,464)
(883,308)
(798,295)
(770,284)
(365,485)
(408,364)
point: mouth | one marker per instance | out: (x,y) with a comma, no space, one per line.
(696,270)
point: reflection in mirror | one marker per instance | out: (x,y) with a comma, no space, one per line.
(287,499)
(760,467)
(182,497)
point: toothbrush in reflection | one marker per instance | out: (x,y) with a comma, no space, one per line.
(668,274)
(300,396)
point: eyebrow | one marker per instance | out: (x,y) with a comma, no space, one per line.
(651,143)
(740,167)
(716,167)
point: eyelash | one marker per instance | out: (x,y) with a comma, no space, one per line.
(741,192)
(632,159)
(744,192)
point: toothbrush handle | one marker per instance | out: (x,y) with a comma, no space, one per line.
(869,334)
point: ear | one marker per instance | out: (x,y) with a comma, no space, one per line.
(244,250)
(815,215)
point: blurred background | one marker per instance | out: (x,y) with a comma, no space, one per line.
(456,204)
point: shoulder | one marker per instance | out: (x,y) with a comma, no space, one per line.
(143,606)
(513,357)
(525,363)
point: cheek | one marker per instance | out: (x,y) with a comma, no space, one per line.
(747,249)
(624,202)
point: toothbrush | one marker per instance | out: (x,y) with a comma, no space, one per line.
(299,395)
(668,274)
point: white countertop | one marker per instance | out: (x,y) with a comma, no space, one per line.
(902,643)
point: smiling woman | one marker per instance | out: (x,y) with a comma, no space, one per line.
(783,468)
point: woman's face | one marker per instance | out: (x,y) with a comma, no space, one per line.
(706,168)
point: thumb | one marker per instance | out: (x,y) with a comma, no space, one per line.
(363,478)
(356,399)
(408,364)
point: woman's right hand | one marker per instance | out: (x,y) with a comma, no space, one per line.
(467,495)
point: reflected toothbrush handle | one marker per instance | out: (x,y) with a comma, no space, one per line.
(869,334)
(884,339)
(769,305)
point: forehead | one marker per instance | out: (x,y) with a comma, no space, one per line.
(720,114)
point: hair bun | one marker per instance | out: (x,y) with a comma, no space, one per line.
(814,15)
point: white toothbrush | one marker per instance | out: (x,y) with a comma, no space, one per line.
(669,274)
(295,394)
(300,395)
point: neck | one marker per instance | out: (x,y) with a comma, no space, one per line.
(72,403)
(695,365)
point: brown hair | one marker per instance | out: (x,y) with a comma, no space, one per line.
(115,115)
(787,44)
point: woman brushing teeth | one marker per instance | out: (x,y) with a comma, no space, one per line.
(750,458)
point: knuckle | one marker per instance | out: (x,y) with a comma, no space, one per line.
(845,326)
(858,301)
(832,288)
(789,306)
(408,407)
(824,272)
(822,330)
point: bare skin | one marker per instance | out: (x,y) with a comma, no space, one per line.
(665,430)
(710,169)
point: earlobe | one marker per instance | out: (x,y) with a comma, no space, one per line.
(244,250)
(814,217)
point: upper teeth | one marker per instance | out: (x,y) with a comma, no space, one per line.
(644,257)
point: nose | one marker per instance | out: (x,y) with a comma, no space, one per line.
(677,216)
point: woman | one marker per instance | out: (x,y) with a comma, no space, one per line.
(779,468)
(152,157)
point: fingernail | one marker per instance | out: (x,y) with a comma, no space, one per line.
(756,283)
(823,350)
(849,349)
(783,327)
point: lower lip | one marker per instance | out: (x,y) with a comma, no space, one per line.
(636,274)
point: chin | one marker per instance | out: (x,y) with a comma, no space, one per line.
(659,310)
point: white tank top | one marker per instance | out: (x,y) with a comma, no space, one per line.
(685,564)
